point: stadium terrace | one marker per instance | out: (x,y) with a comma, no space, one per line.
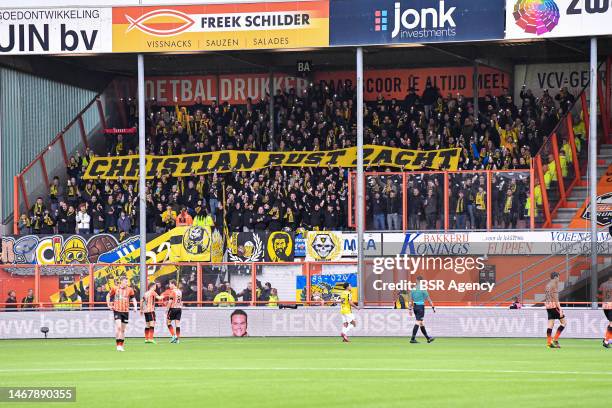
(395,202)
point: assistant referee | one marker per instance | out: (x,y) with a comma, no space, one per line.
(418,296)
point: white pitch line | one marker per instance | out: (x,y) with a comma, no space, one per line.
(318,369)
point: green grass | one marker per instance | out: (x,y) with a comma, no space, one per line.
(314,372)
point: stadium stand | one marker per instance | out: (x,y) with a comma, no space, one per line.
(504,135)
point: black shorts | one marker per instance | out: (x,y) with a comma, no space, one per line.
(553,314)
(608,313)
(174,314)
(123,316)
(149,317)
(419,312)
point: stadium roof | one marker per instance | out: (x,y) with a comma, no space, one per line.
(94,72)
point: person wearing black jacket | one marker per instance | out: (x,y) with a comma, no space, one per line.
(261,220)
(160,225)
(236,218)
(190,195)
(248,216)
(265,292)
(151,214)
(511,209)
(97,218)
(100,297)
(71,220)
(247,294)
(378,209)
(28,301)
(415,210)
(460,208)
(47,223)
(430,95)
(431,209)
(276,223)
(61,218)
(393,205)
(11,302)
(208,295)
(330,218)
(316,219)
(110,216)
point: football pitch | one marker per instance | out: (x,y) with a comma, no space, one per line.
(313,372)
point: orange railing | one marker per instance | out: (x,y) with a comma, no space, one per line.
(34,179)
(446,181)
(43,279)
(557,163)
(193,277)
(28,183)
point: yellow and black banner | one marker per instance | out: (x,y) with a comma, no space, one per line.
(126,167)
(280,247)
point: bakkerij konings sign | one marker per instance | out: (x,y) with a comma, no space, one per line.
(365,22)
(557,18)
(55,30)
(231,26)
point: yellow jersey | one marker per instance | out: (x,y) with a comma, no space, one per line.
(345,302)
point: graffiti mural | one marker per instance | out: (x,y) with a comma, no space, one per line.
(56,249)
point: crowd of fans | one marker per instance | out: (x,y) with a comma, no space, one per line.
(504,135)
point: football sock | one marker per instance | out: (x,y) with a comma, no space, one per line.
(151,331)
(178,332)
(415,330)
(424,332)
(548,336)
(344,330)
(118,342)
(171,329)
(559,331)
(609,333)
(146,333)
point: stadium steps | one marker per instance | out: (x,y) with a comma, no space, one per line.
(576,289)
(573,288)
(579,193)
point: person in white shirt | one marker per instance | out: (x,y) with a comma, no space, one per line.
(83,220)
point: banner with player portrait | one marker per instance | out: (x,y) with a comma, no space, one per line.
(126,167)
(280,246)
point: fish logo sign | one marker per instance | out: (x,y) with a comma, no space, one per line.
(161,23)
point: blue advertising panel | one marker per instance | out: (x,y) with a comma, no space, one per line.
(367,22)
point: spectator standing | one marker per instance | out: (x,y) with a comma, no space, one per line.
(415,210)
(460,211)
(393,209)
(71,220)
(431,209)
(28,301)
(273,299)
(124,223)
(378,209)
(83,220)
(481,208)
(208,295)
(511,208)
(24,225)
(11,302)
